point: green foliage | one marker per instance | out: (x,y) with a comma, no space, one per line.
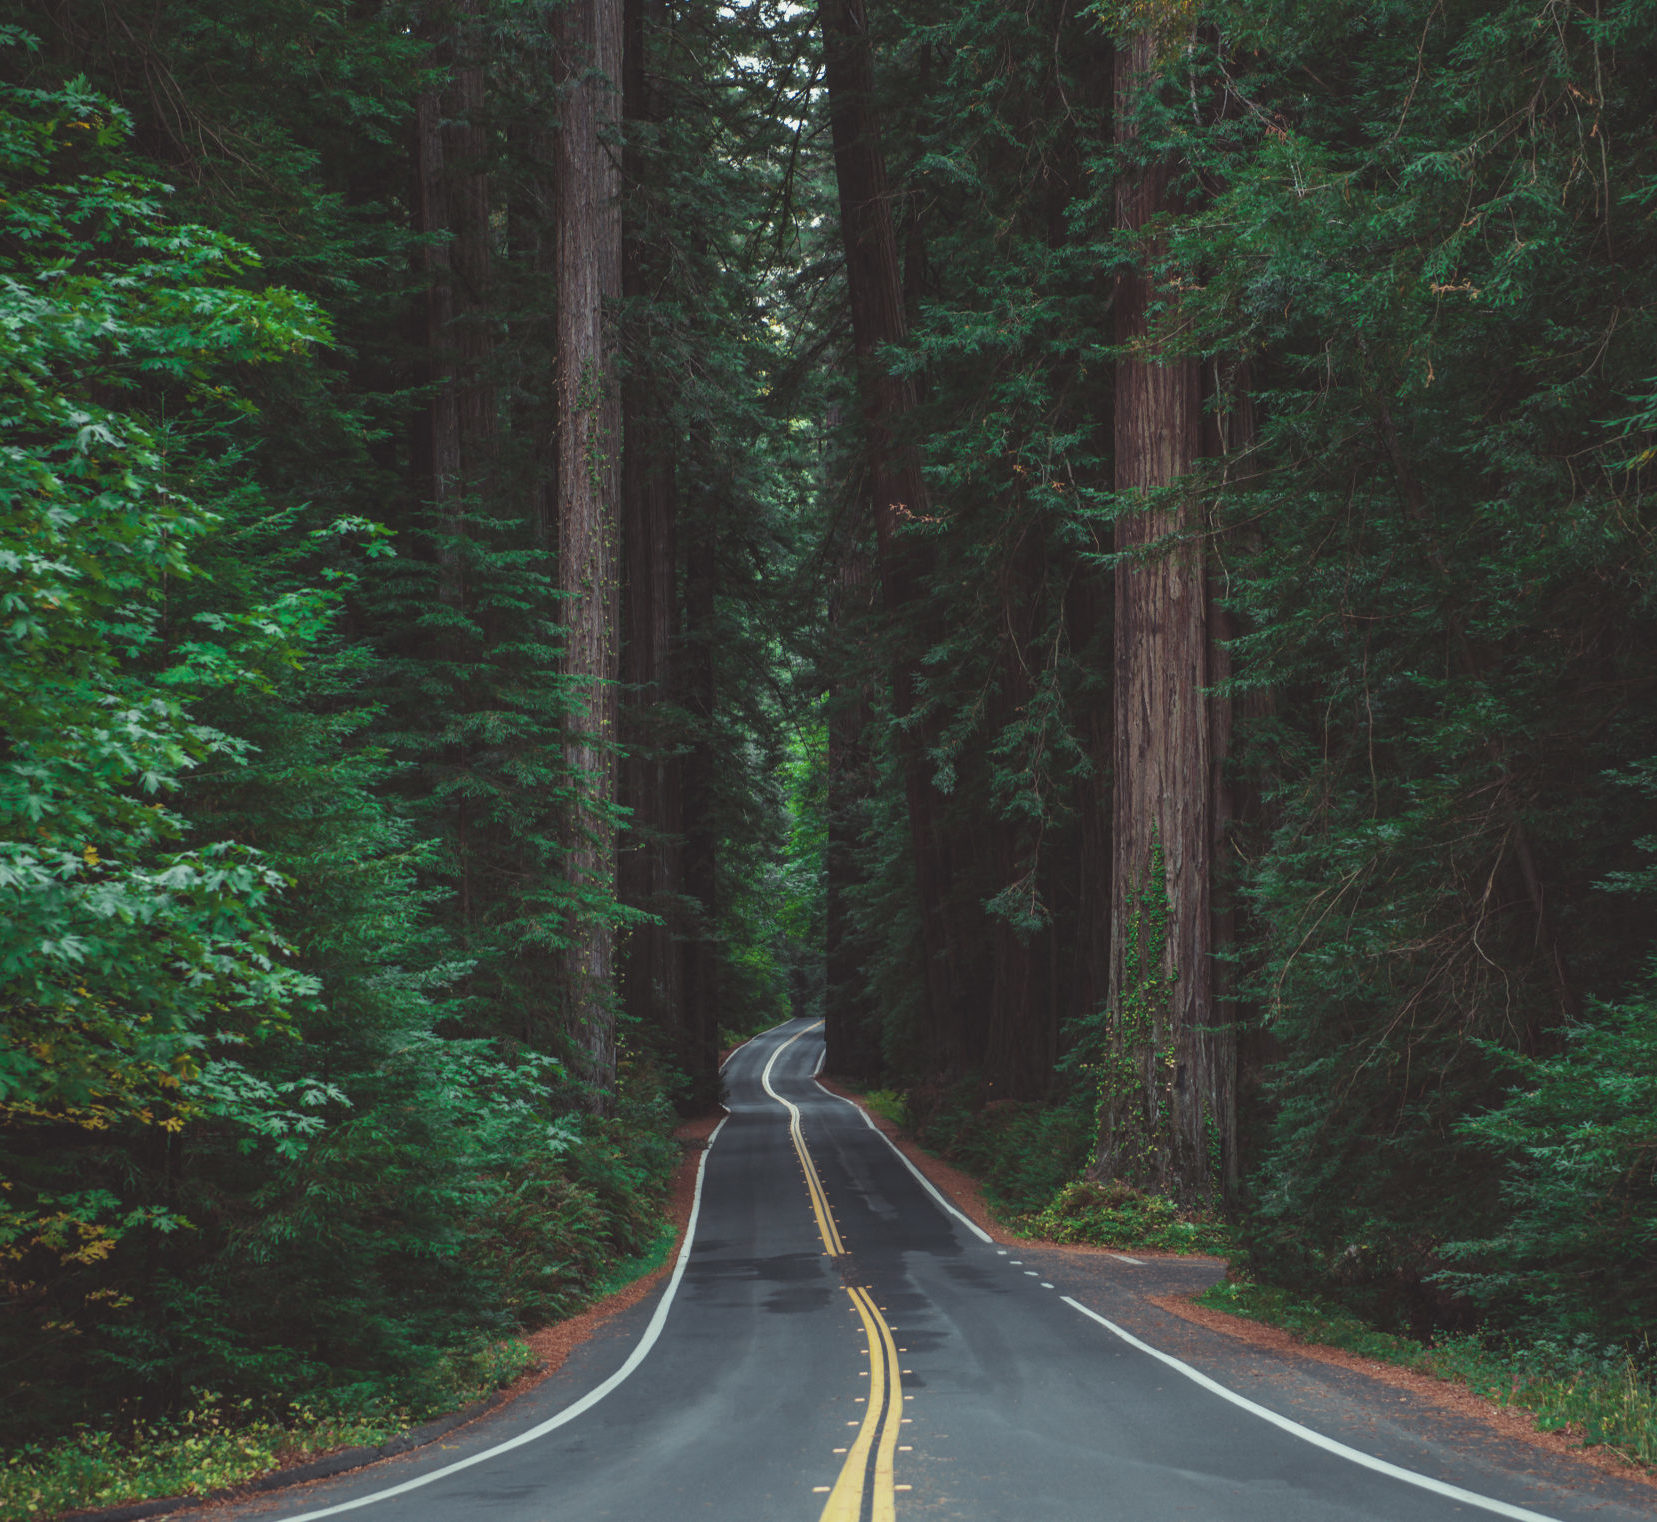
(1028,1157)
(280,1123)
(1439,558)
(136,966)
(1317,1320)
(889,1104)
(1024,1154)
(1575,1252)
(1114,1214)
(1134,1066)
(203,1448)
(989,113)
(214,1444)
(1603,1396)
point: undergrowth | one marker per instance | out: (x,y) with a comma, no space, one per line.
(1112,1214)
(1022,1153)
(1029,1157)
(554,1229)
(1602,1395)
(889,1104)
(215,1443)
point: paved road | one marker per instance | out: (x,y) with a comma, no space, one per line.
(838,1348)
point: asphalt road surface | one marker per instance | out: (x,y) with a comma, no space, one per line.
(837,1345)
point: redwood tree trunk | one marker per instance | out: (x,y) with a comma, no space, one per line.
(589,487)
(849,1028)
(897,488)
(1168,1076)
(699,948)
(437,439)
(455,446)
(651,875)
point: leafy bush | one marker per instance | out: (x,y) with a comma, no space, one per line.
(1576,1253)
(1113,1214)
(889,1104)
(1023,1153)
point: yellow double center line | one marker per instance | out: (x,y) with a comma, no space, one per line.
(869,1459)
(884,1416)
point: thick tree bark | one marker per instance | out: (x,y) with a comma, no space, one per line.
(699,947)
(1169,1073)
(897,488)
(455,439)
(1088,608)
(651,870)
(589,451)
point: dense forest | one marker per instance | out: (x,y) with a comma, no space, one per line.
(1105,551)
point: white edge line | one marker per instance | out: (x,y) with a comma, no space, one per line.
(640,1349)
(925,1183)
(1140,1262)
(755,1037)
(1316,1439)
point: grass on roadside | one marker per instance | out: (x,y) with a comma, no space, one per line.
(890,1105)
(218,1443)
(1600,1395)
(1112,1214)
(623,1273)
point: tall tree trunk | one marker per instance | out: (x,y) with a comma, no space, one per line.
(897,488)
(1228,435)
(650,866)
(466,151)
(849,1030)
(589,452)
(1169,1071)
(455,439)
(699,947)
(1020,1036)
(1088,608)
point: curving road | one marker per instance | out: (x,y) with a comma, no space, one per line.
(837,1345)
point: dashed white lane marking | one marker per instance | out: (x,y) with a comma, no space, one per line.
(1137,1262)
(1317,1439)
(640,1349)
